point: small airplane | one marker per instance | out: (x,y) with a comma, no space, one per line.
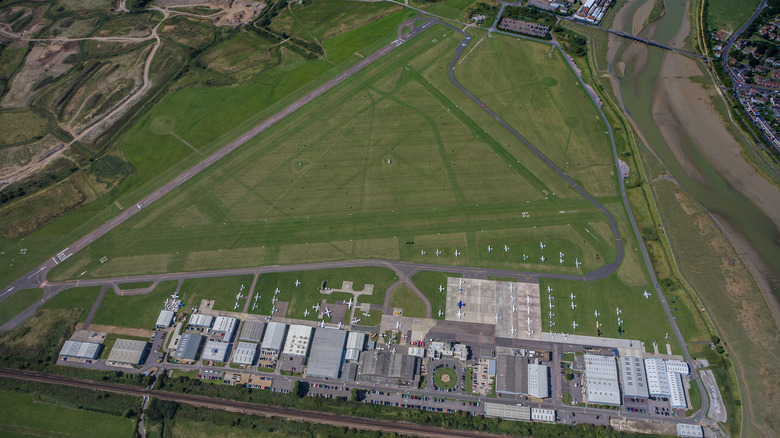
(525,257)
(573,306)
(647,294)
(560,254)
(528,299)
(306,313)
(514,308)
(441,288)
(460,314)
(273,310)
(366,314)
(549,289)
(541,245)
(506,248)
(349,303)
(490,248)
(620,321)
(574,325)
(528,320)
(355,320)
(577,263)
(326,312)
(422,252)
(460,304)
(257,297)
(596,313)
(572,296)
(461,281)
(550,305)
(276,292)
(340,325)
(543,259)
(512,297)
(398,325)
(618,311)
(274,300)
(235,306)
(242,287)
(438,252)
(316,307)
(321,324)
(497,317)
(560,261)
(254,306)
(513,330)
(297,283)
(667,336)
(550,314)
(239,296)
(457,254)
(440,313)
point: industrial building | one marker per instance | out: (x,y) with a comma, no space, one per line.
(677,366)
(327,353)
(201,321)
(508,412)
(601,380)
(438,350)
(416,351)
(657,378)
(384,367)
(349,371)
(632,377)
(188,349)
(127,351)
(252,331)
(297,342)
(546,415)
(538,380)
(246,352)
(676,390)
(81,350)
(225,325)
(216,351)
(511,374)
(165,319)
(355,343)
(273,340)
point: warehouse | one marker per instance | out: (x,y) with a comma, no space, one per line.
(225,325)
(355,343)
(246,353)
(165,319)
(538,381)
(81,350)
(327,353)
(676,390)
(601,380)
(545,415)
(128,352)
(273,338)
(297,342)
(252,331)
(657,379)
(511,374)
(189,347)
(509,412)
(632,377)
(677,366)
(384,367)
(201,321)
(216,351)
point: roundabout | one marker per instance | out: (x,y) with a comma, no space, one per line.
(445,378)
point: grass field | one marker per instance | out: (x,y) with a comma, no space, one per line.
(22,416)
(377,162)
(135,311)
(17,302)
(428,282)
(77,298)
(729,15)
(406,299)
(136,285)
(21,126)
(223,290)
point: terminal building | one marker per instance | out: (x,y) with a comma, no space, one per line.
(246,353)
(632,377)
(273,340)
(297,342)
(165,319)
(601,380)
(438,350)
(252,331)
(188,349)
(81,350)
(538,381)
(384,367)
(657,378)
(327,353)
(216,351)
(226,326)
(200,320)
(128,352)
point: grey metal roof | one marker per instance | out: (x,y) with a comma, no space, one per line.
(252,331)
(216,351)
(512,374)
(632,377)
(127,351)
(83,350)
(274,336)
(327,353)
(189,346)
(165,319)
(245,353)
(538,381)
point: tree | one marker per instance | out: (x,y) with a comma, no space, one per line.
(355,395)
(753,61)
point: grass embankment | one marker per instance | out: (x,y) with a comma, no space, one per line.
(19,301)
(81,298)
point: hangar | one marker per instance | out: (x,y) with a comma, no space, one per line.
(165,319)
(632,377)
(252,331)
(216,351)
(189,347)
(327,353)
(201,320)
(245,353)
(81,350)
(297,342)
(274,338)
(601,380)
(127,351)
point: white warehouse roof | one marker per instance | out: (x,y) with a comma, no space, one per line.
(355,342)
(538,381)
(677,366)
(632,377)
(676,390)
(216,351)
(657,379)
(225,324)
(297,342)
(601,380)
(201,320)
(245,353)
(274,336)
(165,319)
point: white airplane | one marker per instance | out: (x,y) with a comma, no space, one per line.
(577,263)
(441,288)
(596,313)
(457,254)
(254,306)
(528,320)
(326,312)
(461,281)
(497,317)
(256,297)
(366,314)
(549,289)
(525,257)
(398,325)
(541,245)
(573,306)
(438,252)
(238,296)
(174,295)
(440,313)
(297,283)
(506,248)
(242,287)
(667,336)
(543,259)
(276,292)
(235,306)
(550,304)
(490,248)
(572,296)
(316,307)
(647,294)
(513,330)
(550,315)
(460,314)
(620,321)
(422,252)
(321,324)
(273,310)
(512,297)
(618,311)
(340,325)
(274,300)
(514,308)
(349,303)
(560,261)
(528,299)
(355,320)
(560,254)
(574,325)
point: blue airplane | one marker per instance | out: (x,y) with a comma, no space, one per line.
(460,304)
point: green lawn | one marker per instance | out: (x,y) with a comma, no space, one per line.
(729,15)
(439,378)
(77,298)
(428,283)
(135,311)
(136,285)
(405,298)
(22,416)
(18,302)
(373,320)
(223,290)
